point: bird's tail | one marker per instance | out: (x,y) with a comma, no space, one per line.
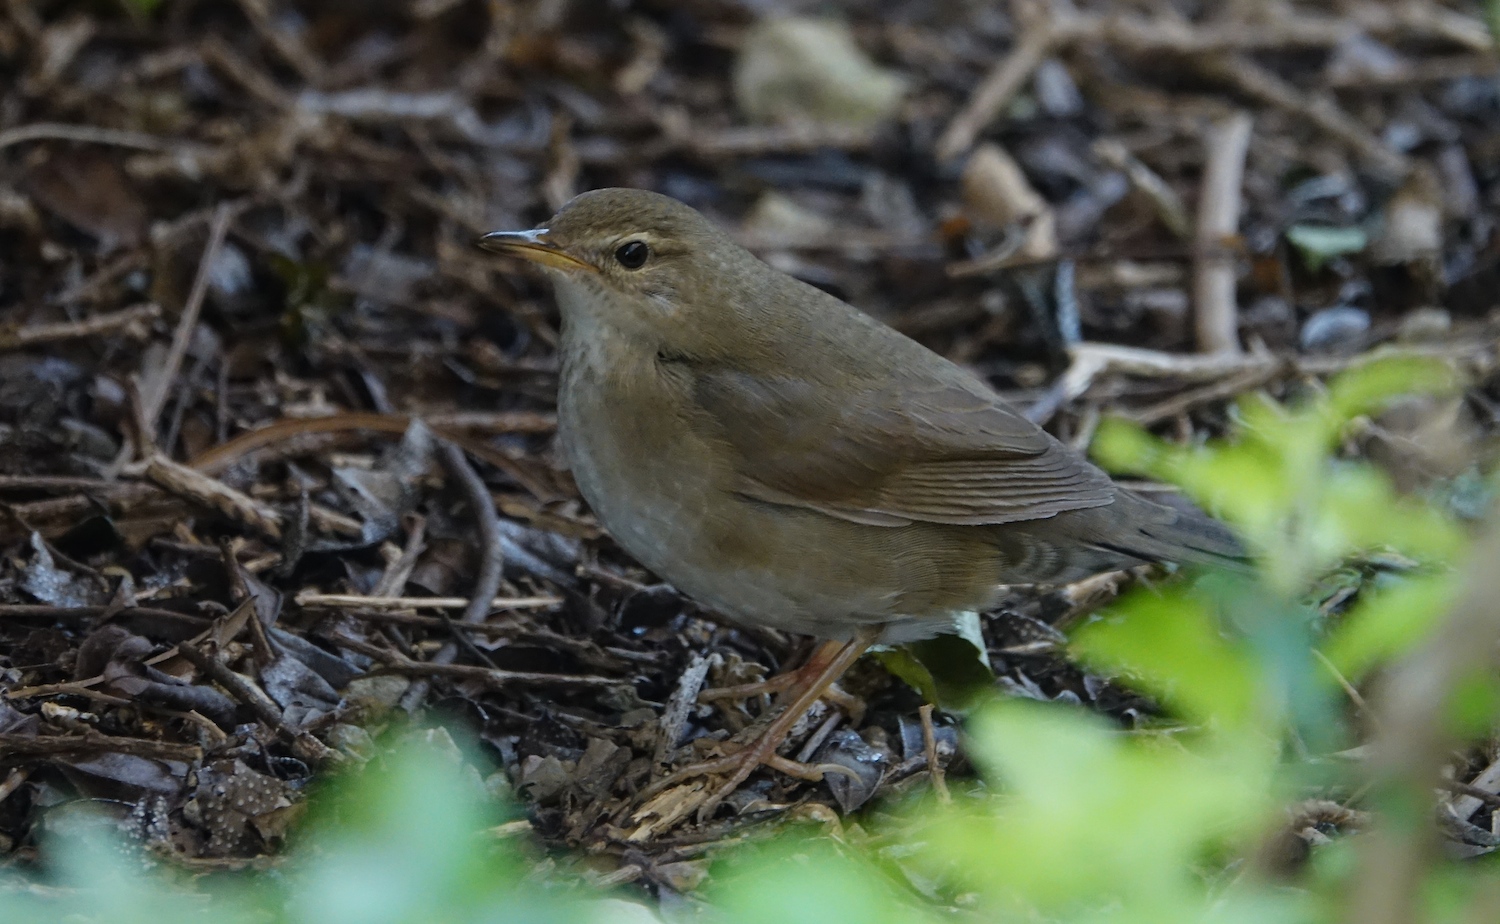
(1173,530)
(1129,532)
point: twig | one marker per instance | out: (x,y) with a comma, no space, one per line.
(60,483)
(1217,314)
(1256,81)
(445,425)
(995,92)
(78,614)
(288,44)
(310,600)
(90,134)
(1349,689)
(1091,360)
(15,745)
(398,568)
(154,395)
(1164,199)
(1156,35)
(304,745)
(759,140)
(203,489)
(929,747)
(492,561)
(494,677)
(13,782)
(1487,781)
(492,554)
(1228,387)
(394,662)
(32,335)
(1470,793)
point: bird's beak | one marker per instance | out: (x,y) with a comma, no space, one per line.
(535,246)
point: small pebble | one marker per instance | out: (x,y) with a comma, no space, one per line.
(1056,92)
(1335,330)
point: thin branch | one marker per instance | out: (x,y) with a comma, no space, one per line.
(445,425)
(996,91)
(1214,278)
(21,338)
(1321,110)
(492,559)
(90,134)
(16,745)
(195,486)
(154,395)
(310,600)
(304,745)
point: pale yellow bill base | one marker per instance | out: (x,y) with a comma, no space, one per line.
(532,245)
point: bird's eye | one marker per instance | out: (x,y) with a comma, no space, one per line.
(632,254)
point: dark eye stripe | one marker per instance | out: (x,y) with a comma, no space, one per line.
(632,254)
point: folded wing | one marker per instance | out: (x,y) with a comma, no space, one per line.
(934,451)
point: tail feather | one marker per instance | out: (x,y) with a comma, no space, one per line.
(1173,531)
(1129,532)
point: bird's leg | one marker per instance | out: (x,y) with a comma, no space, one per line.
(827,665)
(778,683)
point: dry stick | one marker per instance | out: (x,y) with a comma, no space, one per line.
(1164,199)
(78,614)
(304,745)
(444,424)
(1217,315)
(396,663)
(286,42)
(16,745)
(92,134)
(1148,35)
(929,748)
(1412,701)
(491,568)
(154,395)
(56,483)
(1255,81)
(34,334)
(1488,781)
(193,485)
(995,92)
(13,782)
(310,600)
(210,492)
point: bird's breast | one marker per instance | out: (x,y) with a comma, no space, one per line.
(647,475)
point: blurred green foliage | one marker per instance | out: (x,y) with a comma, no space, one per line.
(1318,244)
(1071,819)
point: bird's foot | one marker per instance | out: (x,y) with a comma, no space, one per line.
(737,767)
(814,681)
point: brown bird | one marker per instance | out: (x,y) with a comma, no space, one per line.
(790,462)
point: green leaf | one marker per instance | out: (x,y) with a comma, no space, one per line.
(801,880)
(950,671)
(1320,243)
(1089,817)
(1370,386)
(1171,646)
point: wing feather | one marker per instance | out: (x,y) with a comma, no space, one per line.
(894,452)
